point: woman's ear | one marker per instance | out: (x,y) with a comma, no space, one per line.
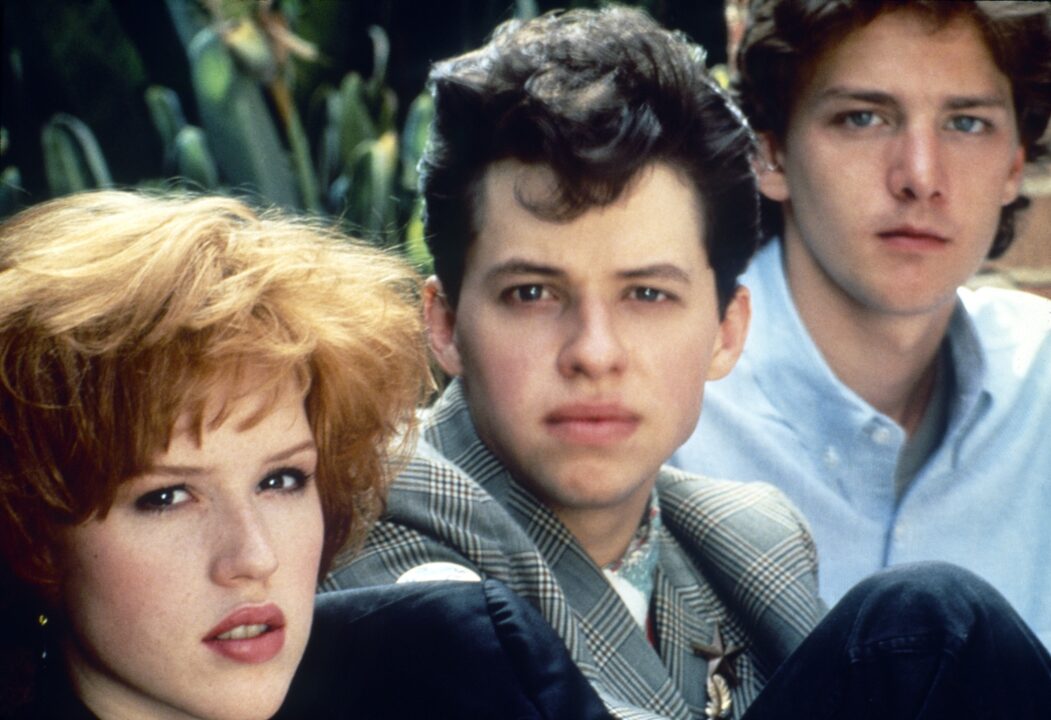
(770,169)
(440,318)
(729,342)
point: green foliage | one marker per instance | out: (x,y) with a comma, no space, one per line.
(10,180)
(208,94)
(240,67)
(414,139)
(193,160)
(240,129)
(526,9)
(167,116)
(349,110)
(10,190)
(73,160)
(370,192)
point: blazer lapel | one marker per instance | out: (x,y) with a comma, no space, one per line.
(681,617)
(687,613)
(618,645)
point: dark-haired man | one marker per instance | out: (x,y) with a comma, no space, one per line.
(908,418)
(590,204)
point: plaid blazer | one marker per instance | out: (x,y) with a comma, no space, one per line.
(737,554)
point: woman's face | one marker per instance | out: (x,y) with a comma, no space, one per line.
(194,596)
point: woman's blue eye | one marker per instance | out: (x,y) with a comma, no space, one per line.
(284,480)
(163,498)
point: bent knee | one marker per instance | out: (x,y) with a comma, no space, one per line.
(922,606)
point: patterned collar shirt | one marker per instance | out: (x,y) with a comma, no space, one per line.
(634,573)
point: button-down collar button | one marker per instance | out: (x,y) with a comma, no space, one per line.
(830,457)
(880,435)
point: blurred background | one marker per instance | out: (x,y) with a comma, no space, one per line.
(317,105)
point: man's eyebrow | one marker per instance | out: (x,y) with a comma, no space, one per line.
(659,271)
(873,97)
(194,470)
(516,266)
(970,102)
(878,97)
(664,271)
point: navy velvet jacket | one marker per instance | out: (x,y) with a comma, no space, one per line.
(436,650)
(440,651)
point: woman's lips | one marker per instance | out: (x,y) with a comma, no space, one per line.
(592,425)
(252,634)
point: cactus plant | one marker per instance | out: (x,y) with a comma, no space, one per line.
(73,160)
(194,160)
(353,162)
(168,118)
(233,112)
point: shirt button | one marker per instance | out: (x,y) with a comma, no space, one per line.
(880,435)
(831,457)
(899,533)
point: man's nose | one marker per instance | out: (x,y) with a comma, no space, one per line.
(916,171)
(593,346)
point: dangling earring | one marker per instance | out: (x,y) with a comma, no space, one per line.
(41,622)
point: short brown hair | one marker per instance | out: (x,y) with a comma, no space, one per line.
(784,37)
(119,311)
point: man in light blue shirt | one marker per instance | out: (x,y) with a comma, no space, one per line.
(908,418)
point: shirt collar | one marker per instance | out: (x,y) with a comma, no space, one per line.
(797,376)
(633,575)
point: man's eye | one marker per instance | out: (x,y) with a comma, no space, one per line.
(860,119)
(968,124)
(648,294)
(163,499)
(284,480)
(527,293)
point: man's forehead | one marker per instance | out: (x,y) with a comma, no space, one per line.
(510,239)
(901,44)
(659,202)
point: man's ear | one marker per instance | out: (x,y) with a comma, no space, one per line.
(770,168)
(731,336)
(1013,186)
(441,327)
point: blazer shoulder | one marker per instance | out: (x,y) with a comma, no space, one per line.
(709,505)
(756,549)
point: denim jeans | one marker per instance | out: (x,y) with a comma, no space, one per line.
(924,641)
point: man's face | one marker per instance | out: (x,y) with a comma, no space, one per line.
(900,151)
(584,345)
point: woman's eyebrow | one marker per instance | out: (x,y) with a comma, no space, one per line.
(308,444)
(192,470)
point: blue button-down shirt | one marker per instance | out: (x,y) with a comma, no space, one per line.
(981,500)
